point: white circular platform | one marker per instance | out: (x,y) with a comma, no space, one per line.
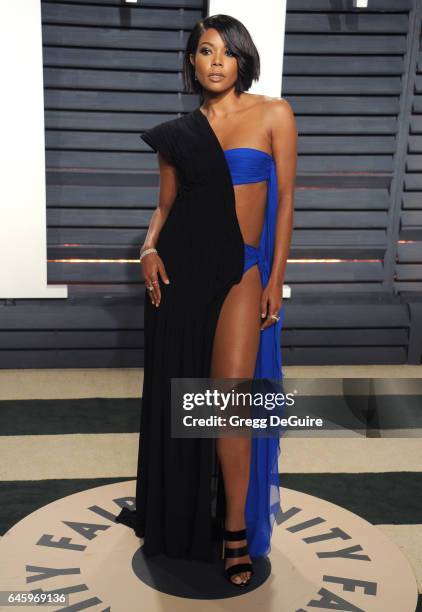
(320,553)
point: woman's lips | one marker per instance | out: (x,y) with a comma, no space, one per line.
(215,77)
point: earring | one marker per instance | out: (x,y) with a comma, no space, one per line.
(196,78)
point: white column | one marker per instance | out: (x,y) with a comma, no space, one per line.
(265,21)
(23,242)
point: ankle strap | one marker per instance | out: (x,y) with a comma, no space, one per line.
(233,553)
(232,536)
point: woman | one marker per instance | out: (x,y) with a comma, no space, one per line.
(218,242)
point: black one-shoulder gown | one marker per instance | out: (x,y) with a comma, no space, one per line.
(179,493)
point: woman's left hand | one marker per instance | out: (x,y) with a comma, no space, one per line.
(271,302)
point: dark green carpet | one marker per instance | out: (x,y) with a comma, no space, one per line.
(388,498)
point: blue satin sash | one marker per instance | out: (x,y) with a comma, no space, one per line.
(249,165)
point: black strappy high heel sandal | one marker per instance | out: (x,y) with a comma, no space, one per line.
(233,536)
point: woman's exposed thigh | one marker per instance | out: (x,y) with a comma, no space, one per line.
(237,333)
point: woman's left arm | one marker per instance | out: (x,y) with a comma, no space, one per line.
(284,145)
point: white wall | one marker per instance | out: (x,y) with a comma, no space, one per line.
(23,267)
(265,21)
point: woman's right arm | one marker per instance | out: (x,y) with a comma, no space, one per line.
(152,263)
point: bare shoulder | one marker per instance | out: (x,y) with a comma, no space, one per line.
(269,110)
(278,110)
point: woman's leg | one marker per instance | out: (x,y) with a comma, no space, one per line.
(234,355)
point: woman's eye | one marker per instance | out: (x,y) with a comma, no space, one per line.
(205,50)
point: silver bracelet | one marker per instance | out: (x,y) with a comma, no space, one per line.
(143,253)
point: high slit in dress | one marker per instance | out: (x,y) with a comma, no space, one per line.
(180,500)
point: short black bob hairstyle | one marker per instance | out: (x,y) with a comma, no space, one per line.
(238,41)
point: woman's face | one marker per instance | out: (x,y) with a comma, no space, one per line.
(212,56)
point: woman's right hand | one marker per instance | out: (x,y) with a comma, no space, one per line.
(152,266)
